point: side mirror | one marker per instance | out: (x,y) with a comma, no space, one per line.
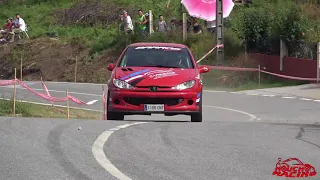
(110,66)
(204,69)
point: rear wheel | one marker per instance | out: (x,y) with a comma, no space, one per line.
(113,115)
(197,117)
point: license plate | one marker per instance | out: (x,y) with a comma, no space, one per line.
(153,107)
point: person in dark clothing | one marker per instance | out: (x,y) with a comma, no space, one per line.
(147,24)
(173,25)
(196,26)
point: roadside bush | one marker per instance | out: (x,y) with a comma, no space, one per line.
(263,25)
(104,41)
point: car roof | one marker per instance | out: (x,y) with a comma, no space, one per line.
(158,44)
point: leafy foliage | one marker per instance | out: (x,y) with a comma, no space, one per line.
(263,25)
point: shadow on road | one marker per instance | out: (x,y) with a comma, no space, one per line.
(148,121)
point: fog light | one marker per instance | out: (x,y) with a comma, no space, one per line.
(116,101)
(190,102)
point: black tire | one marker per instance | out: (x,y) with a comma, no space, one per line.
(113,115)
(197,117)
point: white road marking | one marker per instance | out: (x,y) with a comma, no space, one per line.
(100,156)
(252,94)
(212,91)
(268,95)
(288,97)
(305,99)
(252,117)
(114,129)
(317,100)
(91,102)
(236,93)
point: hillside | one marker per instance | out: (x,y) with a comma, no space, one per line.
(61,31)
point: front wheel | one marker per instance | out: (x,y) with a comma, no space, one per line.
(113,115)
(197,117)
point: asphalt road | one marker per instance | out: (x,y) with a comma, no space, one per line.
(241,137)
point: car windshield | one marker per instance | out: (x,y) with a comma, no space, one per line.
(155,56)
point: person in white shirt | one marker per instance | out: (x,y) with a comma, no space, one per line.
(19,26)
(128,25)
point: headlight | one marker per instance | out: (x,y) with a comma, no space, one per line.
(185,85)
(122,84)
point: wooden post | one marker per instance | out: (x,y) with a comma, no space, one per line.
(259,74)
(14,93)
(21,68)
(68,110)
(184,21)
(75,70)
(150,22)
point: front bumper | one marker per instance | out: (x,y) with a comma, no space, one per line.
(133,102)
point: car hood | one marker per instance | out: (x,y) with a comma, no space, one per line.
(146,76)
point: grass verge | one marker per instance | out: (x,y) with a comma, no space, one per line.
(252,86)
(24,109)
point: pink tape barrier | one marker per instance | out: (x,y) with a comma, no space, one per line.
(228,68)
(72,98)
(41,95)
(217,46)
(289,77)
(46,96)
(7,82)
(76,100)
(45,88)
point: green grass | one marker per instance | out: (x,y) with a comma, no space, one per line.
(24,109)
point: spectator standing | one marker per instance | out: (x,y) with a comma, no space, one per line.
(162,25)
(128,25)
(196,26)
(142,22)
(19,26)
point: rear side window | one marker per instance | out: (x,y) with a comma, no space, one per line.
(157,56)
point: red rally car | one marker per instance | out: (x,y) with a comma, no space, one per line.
(151,78)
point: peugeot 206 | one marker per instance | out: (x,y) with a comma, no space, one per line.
(150,78)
